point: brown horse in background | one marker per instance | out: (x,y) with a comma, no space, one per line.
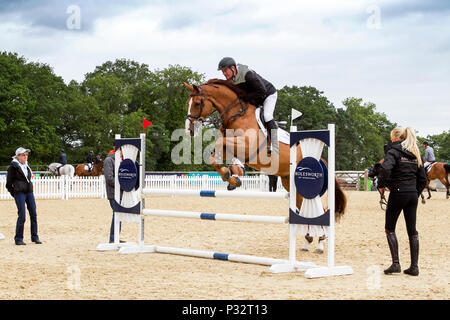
(440,171)
(246,141)
(96,171)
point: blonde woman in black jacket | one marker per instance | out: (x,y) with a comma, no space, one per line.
(403,173)
(19,185)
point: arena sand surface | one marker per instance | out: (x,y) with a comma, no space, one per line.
(67,266)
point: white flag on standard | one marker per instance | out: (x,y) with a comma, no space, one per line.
(294,115)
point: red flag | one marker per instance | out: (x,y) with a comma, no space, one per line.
(146,124)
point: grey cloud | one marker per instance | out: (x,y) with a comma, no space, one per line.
(52,14)
(404,8)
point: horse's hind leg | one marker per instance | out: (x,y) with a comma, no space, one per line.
(308,241)
(320,247)
(447,186)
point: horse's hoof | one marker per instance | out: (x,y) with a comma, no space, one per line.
(309,238)
(318,251)
(226,175)
(238,181)
(305,249)
(423,201)
(230,187)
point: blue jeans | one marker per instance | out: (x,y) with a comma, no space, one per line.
(111,231)
(28,199)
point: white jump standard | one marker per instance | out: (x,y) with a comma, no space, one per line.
(311,178)
(129,179)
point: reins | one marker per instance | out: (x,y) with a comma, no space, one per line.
(225,122)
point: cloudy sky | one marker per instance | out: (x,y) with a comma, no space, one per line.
(394,53)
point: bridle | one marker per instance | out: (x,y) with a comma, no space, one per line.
(202,105)
(225,122)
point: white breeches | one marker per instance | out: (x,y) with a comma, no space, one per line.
(269,106)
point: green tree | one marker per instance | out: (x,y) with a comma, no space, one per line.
(169,108)
(31,105)
(362,134)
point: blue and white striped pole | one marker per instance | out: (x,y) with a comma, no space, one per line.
(215,216)
(216,255)
(218,193)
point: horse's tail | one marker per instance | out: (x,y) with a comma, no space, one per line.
(340,200)
(447,167)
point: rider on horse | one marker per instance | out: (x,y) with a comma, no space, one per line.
(90,161)
(259,92)
(62,160)
(429,155)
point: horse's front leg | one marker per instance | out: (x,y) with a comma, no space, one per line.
(446,185)
(220,156)
(236,170)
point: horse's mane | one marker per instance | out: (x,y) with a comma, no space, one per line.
(227,84)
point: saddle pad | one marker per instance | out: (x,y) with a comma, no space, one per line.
(283,136)
(428,168)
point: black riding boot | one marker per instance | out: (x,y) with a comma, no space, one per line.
(272,125)
(393,247)
(413,270)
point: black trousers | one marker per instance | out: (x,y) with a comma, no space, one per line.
(273,182)
(398,201)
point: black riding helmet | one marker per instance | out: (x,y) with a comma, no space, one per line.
(226,62)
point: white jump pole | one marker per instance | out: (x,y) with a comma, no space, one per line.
(218,193)
(213,255)
(2,237)
(215,216)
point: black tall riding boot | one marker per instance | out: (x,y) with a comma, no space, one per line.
(393,247)
(413,270)
(272,129)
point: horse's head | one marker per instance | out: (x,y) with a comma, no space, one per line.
(374,170)
(199,107)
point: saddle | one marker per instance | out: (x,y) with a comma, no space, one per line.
(282,135)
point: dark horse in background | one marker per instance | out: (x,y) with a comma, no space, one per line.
(373,173)
(247,142)
(439,170)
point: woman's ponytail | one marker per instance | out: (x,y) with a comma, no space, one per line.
(410,143)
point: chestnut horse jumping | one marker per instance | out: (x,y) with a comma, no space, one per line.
(440,171)
(241,136)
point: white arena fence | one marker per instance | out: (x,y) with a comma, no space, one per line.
(94,187)
(62,187)
(65,187)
